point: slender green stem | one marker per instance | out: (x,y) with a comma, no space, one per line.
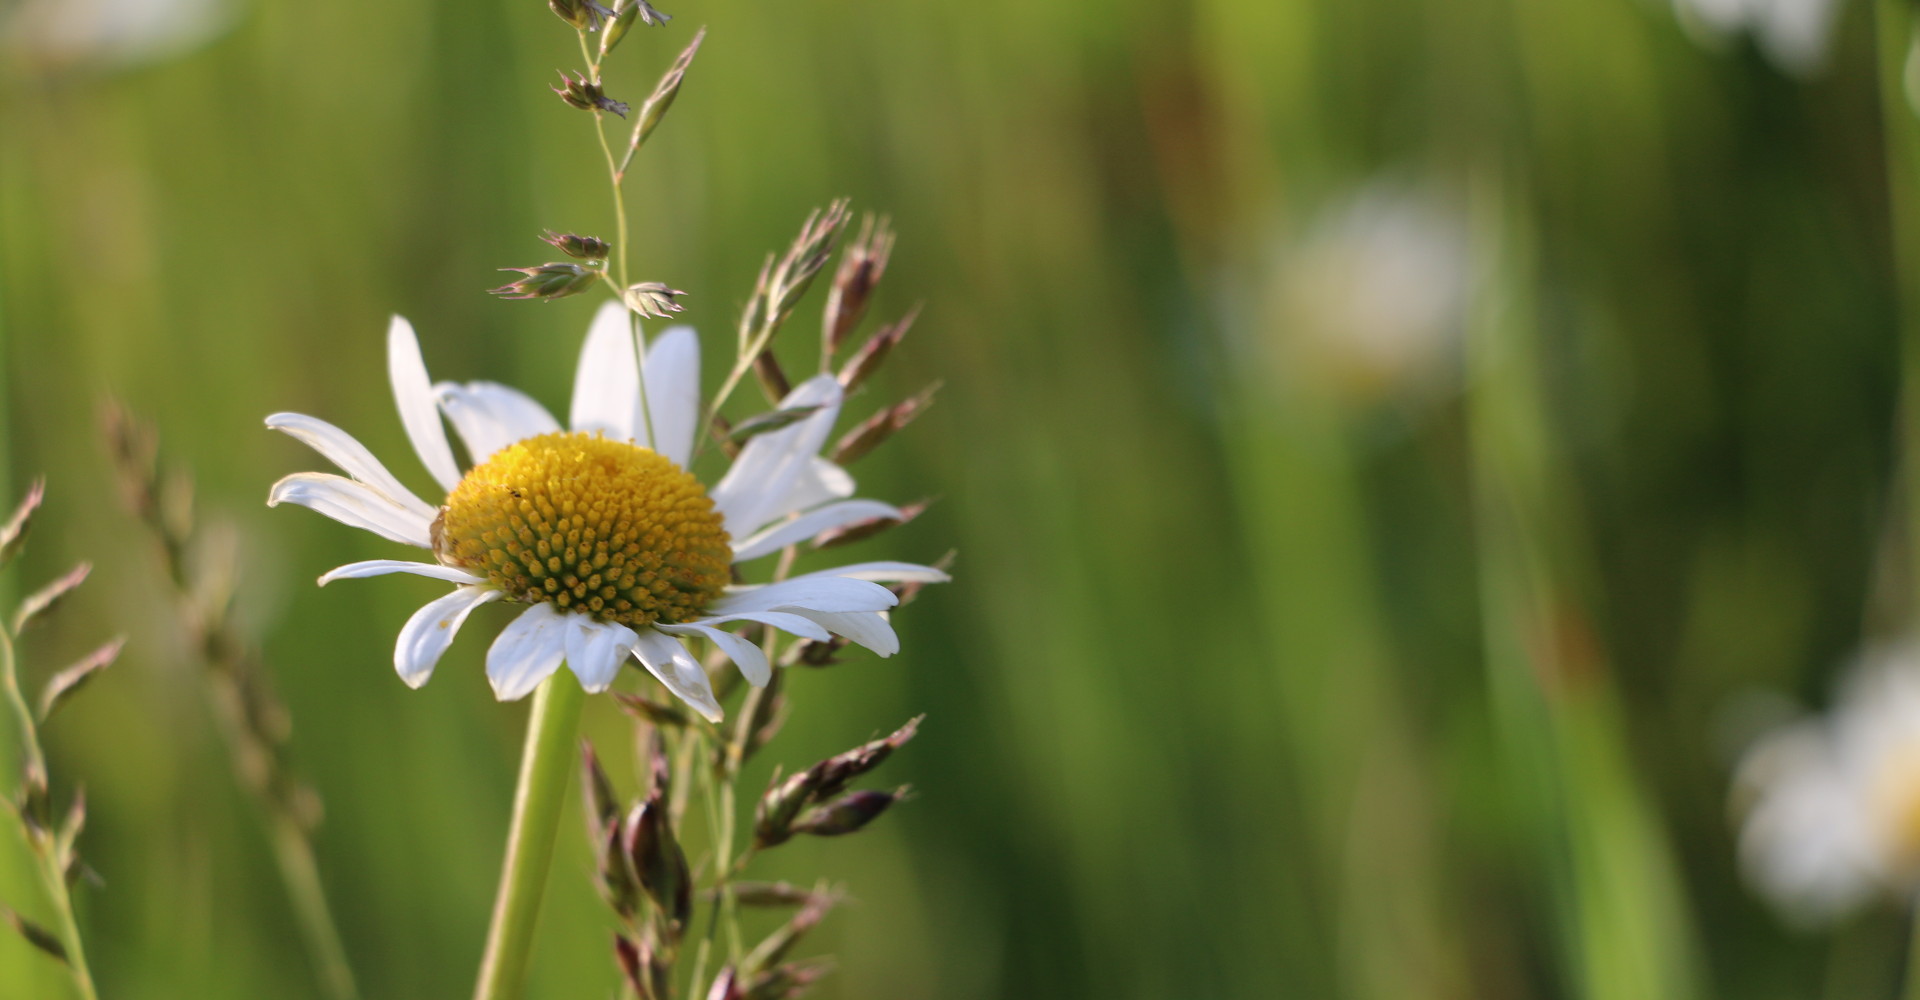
(586,53)
(29,729)
(619,201)
(682,773)
(740,368)
(616,170)
(45,844)
(723,870)
(55,882)
(721,834)
(546,766)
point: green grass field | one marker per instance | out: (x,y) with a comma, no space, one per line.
(1279,662)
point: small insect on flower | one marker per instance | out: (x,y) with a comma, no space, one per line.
(1832,806)
(615,549)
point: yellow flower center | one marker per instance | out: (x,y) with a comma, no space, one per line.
(589,524)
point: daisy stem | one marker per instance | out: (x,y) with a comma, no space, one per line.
(1893,26)
(47,851)
(546,766)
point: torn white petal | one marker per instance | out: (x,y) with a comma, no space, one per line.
(745,654)
(527,652)
(430,631)
(667,659)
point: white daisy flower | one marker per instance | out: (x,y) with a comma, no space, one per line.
(1834,804)
(600,530)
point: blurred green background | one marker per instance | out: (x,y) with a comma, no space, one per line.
(1392,446)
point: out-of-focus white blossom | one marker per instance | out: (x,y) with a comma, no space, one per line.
(1832,805)
(109,34)
(1794,34)
(1370,299)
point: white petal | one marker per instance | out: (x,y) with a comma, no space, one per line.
(785,621)
(671,368)
(667,659)
(606,386)
(350,455)
(491,416)
(353,503)
(595,650)
(820,482)
(784,533)
(815,593)
(413,394)
(883,572)
(750,658)
(380,567)
(527,652)
(868,628)
(430,631)
(763,477)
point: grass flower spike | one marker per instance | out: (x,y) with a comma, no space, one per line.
(597,527)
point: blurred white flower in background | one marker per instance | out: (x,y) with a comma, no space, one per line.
(1794,34)
(1832,805)
(1369,299)
(109,34)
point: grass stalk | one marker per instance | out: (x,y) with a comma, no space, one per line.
(47,858)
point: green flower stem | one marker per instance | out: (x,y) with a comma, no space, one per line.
(546,766)
(46,854)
